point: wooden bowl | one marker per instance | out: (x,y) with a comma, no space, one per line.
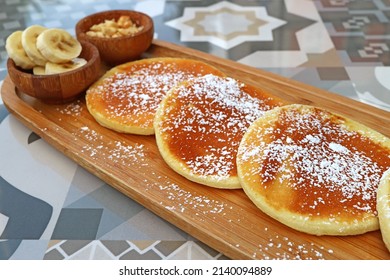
(58,88)
(114,51)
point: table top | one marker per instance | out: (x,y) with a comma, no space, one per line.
(52,208)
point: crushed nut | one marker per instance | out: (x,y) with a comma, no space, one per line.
(113,29)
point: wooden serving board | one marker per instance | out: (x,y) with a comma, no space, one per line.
(226,220)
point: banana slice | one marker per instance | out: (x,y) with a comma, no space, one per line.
(56,68)
(29,43)
(58,46)
(39,70)
(16,52)
(383,207)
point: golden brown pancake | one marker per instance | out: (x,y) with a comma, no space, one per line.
(199,125)
(383,207)
(126,98)
(313,170)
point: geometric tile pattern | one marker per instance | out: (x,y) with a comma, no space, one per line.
(226,25)
(129,250)
(342,46)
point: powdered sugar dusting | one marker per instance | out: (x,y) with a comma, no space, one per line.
(308,150)
(209,116)
(133,96)
(338,148)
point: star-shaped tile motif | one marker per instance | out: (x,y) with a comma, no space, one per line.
(225,24)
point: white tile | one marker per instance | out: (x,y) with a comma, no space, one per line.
(151,7)
(11,25)
(53,24)
(382,74)
(3,221)
(182,253)
(270,59)
(63,8)
(85,253)
(102,253)
(99,8)
(197,253)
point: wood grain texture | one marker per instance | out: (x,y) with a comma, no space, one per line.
(224,219)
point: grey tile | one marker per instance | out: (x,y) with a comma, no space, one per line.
(8,247)
(28,215)
(333,74)
(53,255)
(76,223)
(134,255)
(168,247)
(116,247)
(72,246)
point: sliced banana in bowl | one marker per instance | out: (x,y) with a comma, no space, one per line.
(61,87)
(44,50)
(16,52)
(39,70)
(29,43)
(57,68)
(58,46)
(50,64)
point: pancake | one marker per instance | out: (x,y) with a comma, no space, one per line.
(313,170)
(199,125)
(126,98)
(383,207)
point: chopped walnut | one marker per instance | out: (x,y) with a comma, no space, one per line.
(113,29)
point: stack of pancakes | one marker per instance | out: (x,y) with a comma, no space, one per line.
(313,170)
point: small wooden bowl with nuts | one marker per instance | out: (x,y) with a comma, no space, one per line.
(120,35)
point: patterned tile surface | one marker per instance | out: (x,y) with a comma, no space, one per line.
(129,250)
(60,211)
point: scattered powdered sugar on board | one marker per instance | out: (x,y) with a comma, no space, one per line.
(184,200)
(279,247)
(123,153)
(74,108)
(116,152)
